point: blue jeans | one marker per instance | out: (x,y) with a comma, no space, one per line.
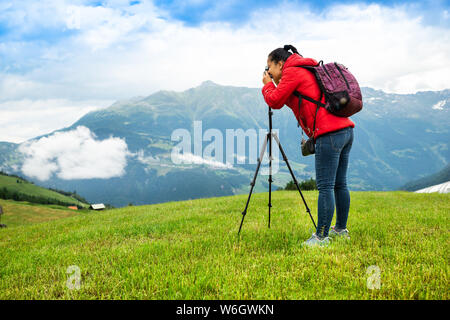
(332,153)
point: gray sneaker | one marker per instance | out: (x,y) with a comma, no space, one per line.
(341,233)
(315,240)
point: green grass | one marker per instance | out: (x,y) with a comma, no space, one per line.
(26,213)
(190,250)
(30,189)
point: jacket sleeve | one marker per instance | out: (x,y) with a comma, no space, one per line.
(276,97)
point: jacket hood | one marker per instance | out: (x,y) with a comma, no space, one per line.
(297,60)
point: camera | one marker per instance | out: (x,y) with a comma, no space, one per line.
(308,147)
(266,69)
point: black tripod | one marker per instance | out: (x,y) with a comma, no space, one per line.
(269,138)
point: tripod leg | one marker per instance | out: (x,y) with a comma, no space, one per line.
(293,177)
(263,149)
(270,174)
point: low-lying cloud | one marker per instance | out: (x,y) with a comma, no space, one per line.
(189,158)
(76,154)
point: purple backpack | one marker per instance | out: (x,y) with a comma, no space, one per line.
(341,90)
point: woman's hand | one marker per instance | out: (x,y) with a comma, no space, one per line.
(266,78)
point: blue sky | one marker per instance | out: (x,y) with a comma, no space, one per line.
(237,12)
(33,31)
(62,58)
(16,25)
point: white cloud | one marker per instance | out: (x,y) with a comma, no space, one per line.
(118,53)
(149,160)
(26,118)
(440,105)
(74,155)
(189,158)
(386,48)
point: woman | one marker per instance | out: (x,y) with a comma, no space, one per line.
(333,136)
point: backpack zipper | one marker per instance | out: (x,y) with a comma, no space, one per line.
(340,71)
(326,71)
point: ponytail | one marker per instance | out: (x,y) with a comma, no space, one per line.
(290,47)
(281,54)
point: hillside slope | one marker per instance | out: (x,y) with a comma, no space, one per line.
(428,181)
(24,187)
(19,213)
(190,250)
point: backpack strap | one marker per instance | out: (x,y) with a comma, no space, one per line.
(316,102)
(302,96)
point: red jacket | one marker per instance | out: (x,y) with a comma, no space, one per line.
(302,80)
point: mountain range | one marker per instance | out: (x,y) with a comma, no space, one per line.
(398,138)
(431,180)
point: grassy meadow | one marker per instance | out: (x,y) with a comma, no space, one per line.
(399,249)
(26,213)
